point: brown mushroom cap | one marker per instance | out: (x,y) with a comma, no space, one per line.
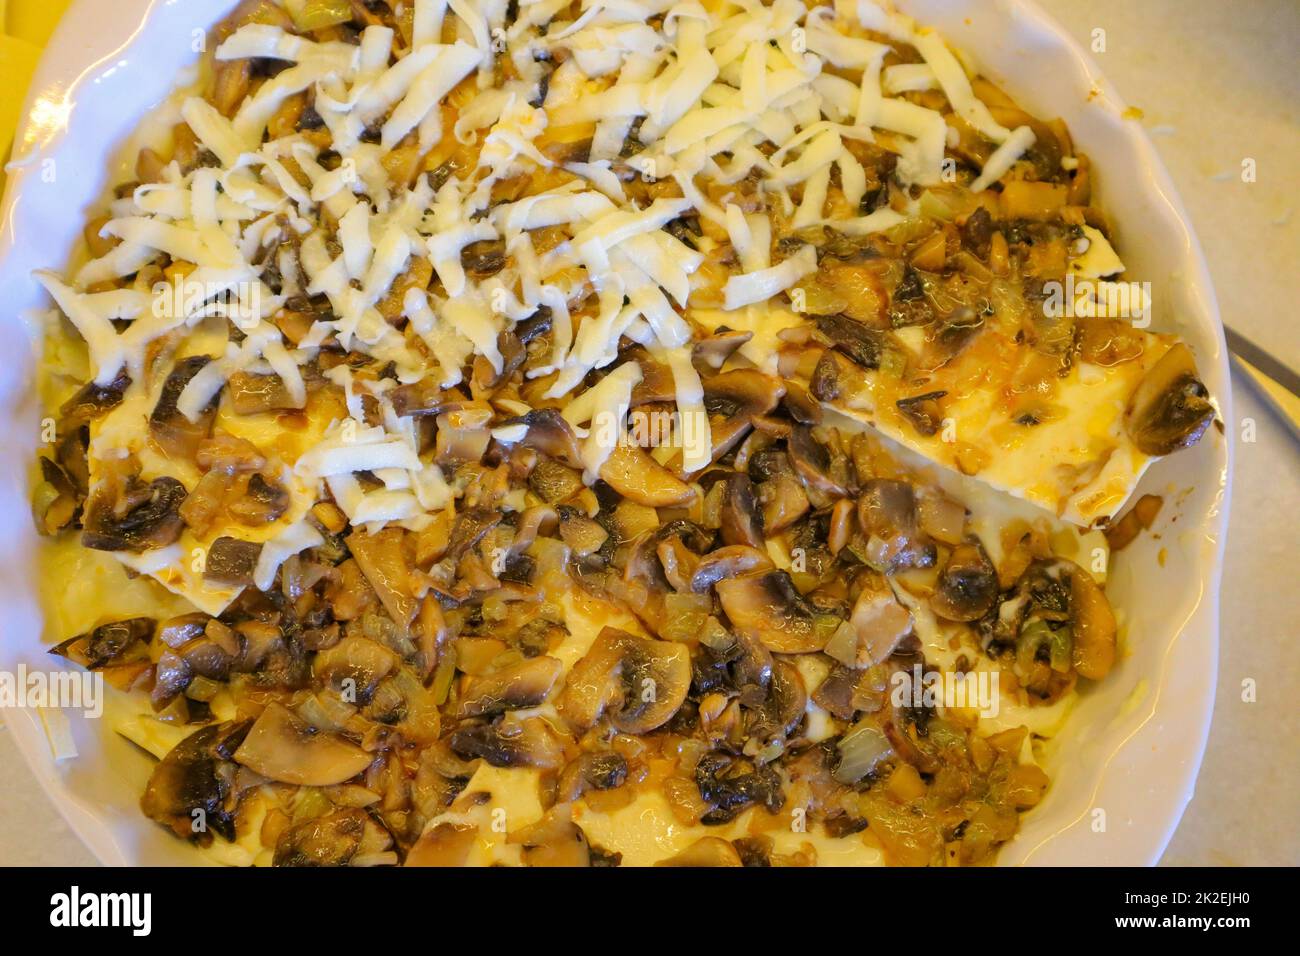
(640,682)
(196,775)
(281,747)
(174,433)
(1170,408)
(968,584)
(520,685)
(511,743)
(768,608)
(812,462)
(1093,650)
(786,702)
(329,840)
(151,518)
(730,561)
(741,523)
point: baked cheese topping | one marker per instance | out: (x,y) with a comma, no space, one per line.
(591,432)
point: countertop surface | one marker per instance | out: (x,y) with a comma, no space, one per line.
(1217,84)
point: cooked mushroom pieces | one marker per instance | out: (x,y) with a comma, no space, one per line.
(863,345)
(729,561)
(782,709)
(263,502)
(171,429)
(1170,409)
(284,748)
(92,401)
(1060,616)
(107,643)
(768,608)
(329,840)
(968,584)
(637,682)
(515,687)
(1093,650)
(730,785)
(354,667)
(887,516)
(231,562)
(741,522)
(510,743)
(146,516)
(191,790)
(813,463)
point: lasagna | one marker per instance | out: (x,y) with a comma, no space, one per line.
(597,432)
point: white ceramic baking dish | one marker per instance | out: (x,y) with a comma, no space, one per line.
(1123,770)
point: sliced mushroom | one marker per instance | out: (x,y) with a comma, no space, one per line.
(446,844)
(174,433)
(887,515)
(640,683)
(354,667)
(231,562)
(147,516)
(784,500)
(768,608)
(733,400)
(550,434)
(254,394)
(190,792)
(329,840)
(636,476)
(506,743)
(107,643)
(554,482)
(554,840)
(730,785)
(860,343)
(837,379)
(382,559)
(1093,651)
(880,621)
(785,705)
(1170,408)
(262,503)
(712,351)
(54,500)
(923,411)
(283,748)
(424,397)
(583,535)
(968,584)
(91,401)
(813,462)
(705,852)
(727,562)
(521,685)
(741,523)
